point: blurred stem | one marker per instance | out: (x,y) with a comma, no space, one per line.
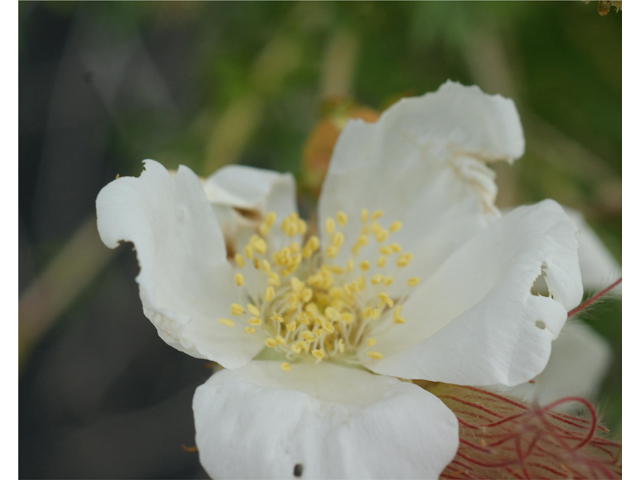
(235,126)
(64,278)
(340,60)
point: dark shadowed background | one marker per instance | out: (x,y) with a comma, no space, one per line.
(105,85)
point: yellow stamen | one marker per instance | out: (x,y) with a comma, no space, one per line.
(248,251)
(278,318)
(413,281)
(364,265)
(371,342)
(319,354)
(239,279)
(395,226)
(285,367)
(239,260)
(332,251)
(269,293)
(363,215)
(404,259)
(329,225)
(274,279)
(376,215)
(374,355)
(255,321)
(253,310)
(271,342)
(249,330)
(381,261)
(342,218)
(236,309)
(227,322)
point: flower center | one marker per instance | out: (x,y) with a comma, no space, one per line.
(306,304)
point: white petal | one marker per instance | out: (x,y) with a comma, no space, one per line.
(242,196)
(186,283)
(599,268)
(579,361)
(423,163)
(337,422)
(475,321)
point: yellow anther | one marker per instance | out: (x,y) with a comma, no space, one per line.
(341,217)
(306,295)
(347,317)
(384,299)
(274,279)
(285,367)
(364,265)
(362,284)
(270,219)
(331,312)
(381,261)
(271,342)
(278,318)
(317,332)
(329,225)
(248,251)
(253,310)
(366,230)
(374,355)
(397,311)
(227,322)
(336,292)
(386,281)
(350,265)
(255,321)
(413,281)
(395,226)
(386,250)
(264,229)
(375,313)
(308,336)
(296,348)
(269,293)
(297,285)
(236,309)
(363,215)
(404,259)
(239,279)
(266,267)
(328,327)
(256,263)
(311,246)
(249,330)
(319,354)
(371,342)
(399,320)
(259,245)
(239,260)
(281,340)
(302,226)
(337,239)
(377,278)
(395,247)
(294,247)
(291,326)
(381,235)
(362,240)
(366,313)
(338,270)
(331,251)
(376,215)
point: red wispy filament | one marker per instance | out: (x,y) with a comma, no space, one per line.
(505,439)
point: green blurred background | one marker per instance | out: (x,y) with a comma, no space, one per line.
(105,85)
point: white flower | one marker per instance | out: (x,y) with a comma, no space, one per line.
(580,357)
(415,276)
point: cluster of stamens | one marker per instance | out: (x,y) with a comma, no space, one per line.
(307,305)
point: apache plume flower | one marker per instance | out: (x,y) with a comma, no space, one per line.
(414,275)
